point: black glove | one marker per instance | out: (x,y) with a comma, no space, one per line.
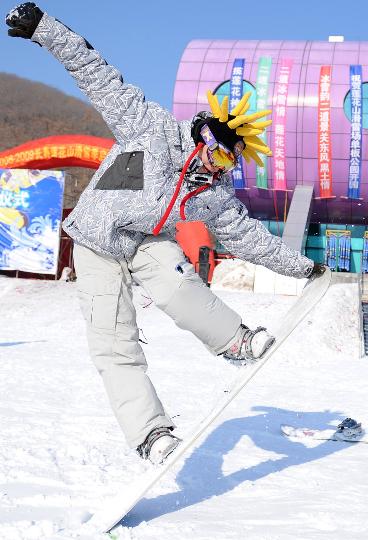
(318,269)
(23,20)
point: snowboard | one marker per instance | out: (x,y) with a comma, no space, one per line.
(113,512)
(321,434)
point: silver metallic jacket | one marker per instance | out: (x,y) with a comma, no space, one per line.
(130,191)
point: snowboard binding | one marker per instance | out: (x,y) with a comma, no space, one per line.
(252,346)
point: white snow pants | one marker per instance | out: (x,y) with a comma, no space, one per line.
(105,292)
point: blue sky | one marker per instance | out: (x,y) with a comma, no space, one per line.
(146,39)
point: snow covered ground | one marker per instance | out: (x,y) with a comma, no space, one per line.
(62,453)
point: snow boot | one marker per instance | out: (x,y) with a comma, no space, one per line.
(158,445)
(251,346)
(349,430)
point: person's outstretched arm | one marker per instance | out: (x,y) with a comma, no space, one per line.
(122,106)
(248,239)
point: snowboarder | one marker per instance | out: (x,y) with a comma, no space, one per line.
(123,227)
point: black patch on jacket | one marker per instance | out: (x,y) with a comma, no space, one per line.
(125,173)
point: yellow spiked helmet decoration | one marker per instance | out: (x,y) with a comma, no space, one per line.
(244,125)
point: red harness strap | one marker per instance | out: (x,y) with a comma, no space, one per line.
(189,196)
(162,221)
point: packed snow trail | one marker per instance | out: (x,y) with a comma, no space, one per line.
(61,449)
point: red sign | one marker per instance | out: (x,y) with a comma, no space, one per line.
(57,151)
(279,125)
(324,133)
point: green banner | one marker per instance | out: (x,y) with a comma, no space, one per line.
(263,77)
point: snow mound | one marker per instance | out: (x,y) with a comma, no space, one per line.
(234,274)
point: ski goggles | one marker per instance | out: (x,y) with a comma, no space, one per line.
(218,154)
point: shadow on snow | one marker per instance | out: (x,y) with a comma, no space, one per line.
(201,476)
(14,343)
